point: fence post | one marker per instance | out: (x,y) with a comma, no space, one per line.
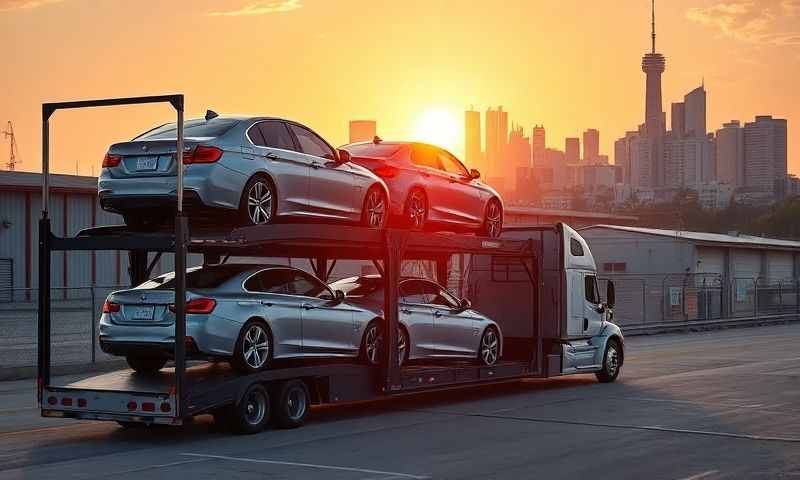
(755,297)
(644,300)
(92,314)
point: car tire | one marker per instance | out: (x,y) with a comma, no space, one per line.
(371,351)
(259,202)
(492,219)
(416,210)
(612,362)
(375,211)
(247,358)
(251,414)
(489,347)
(291,402)
(141,223)
(144,364)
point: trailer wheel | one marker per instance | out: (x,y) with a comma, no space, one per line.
(612,362)
(148,365)
(251,414)
(291,403)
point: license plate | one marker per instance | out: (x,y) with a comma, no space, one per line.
(146,163)
(143,313)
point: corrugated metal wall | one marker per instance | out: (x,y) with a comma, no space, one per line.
(12,232)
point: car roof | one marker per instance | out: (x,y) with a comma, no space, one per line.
(395,142)
(375,276)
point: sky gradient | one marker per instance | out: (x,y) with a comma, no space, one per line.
(568,64)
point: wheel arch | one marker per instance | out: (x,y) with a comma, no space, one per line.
(266,174)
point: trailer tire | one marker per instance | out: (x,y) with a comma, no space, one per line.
(251,414)
(146,365)
(612,362)
(291,403)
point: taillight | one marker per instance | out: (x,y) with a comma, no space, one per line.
(386,171)
(132,406)
(111,160)
(197,305)
(109,307)
(202,154)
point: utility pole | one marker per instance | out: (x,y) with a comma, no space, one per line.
(12,158)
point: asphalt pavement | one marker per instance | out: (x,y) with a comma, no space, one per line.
(711,405)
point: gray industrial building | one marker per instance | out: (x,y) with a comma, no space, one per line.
(671,275)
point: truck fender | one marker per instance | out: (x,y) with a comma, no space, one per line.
(610,330)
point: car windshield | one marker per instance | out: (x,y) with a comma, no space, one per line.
(358,287)
(191,128)
(196,278)
(373,150)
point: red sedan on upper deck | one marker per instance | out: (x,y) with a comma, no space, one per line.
(429,188)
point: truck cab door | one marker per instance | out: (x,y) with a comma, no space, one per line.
(593,308)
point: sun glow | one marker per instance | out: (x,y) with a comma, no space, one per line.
(438,126)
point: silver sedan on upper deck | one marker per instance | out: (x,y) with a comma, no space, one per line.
(254,169)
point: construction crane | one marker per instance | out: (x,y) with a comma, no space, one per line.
(12,158)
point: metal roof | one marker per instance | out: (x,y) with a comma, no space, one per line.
(33,181)
(741,240)
(565,213)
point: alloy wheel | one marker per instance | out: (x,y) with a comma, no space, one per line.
(255,347)
(494,220)
(612,360)
(372,344)
(255,407)
(489,347)
(417,210)
(376,209)
(259,203)
(402,344)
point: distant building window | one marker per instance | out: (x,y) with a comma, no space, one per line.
(615,267)
(575,248)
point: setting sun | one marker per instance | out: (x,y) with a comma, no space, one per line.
(438,126)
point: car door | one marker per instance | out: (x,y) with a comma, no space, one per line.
(418,317)
(435,181)
(274,146)
(328,326)
(270,288)
(331,183)
(463,200)
(455,328)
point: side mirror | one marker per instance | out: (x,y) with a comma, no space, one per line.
(474,174)
(464,304)
(610,294)
(344,156)
(340,296)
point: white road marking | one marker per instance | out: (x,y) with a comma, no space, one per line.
(148,467)
(700,475)
(306,465)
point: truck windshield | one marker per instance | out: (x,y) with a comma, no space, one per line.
(191,128)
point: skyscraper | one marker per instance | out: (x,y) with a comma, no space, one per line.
(591,146)
(362,130)
(539,146)
(764,152)
(496,141)
(678,119)
(472,139)
(653,65)
(730,154)
(572,150)
(695,112)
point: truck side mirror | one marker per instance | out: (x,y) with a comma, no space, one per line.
(610,294)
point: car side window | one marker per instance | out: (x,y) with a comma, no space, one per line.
(451,165)
(413,291)
(308,286)
(590,286)
(425,157)
(311,143)
(273,134)
(274,280)
(437,296)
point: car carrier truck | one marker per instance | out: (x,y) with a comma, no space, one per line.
(538,283)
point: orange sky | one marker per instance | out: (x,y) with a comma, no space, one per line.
(569,64)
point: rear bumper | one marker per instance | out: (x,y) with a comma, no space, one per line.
(150,203)
(160,349)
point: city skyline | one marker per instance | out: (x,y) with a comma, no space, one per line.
(569,81)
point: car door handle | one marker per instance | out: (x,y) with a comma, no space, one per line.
(437,313)
(265,303)
(316,165)
(272,156)
(405,310)
(308,306)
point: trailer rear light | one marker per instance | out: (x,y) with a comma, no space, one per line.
(132,406)
(82,402)
(197,306)
(166,407)
(386,171)
(202,154)
(66,401)
(52,400)
(148,407)
(110,307)
(111,160)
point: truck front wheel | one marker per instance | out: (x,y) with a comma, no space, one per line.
(612,362)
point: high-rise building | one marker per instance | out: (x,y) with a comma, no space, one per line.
(730,154)
(362,130)
(519,160)
(539,146)
(591,146)
(689,161)
(556,160)
(472,139)
(764,152)
(653,65)
(496,141)
(695,112)
(626,156)
(678,119)
(572,150)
